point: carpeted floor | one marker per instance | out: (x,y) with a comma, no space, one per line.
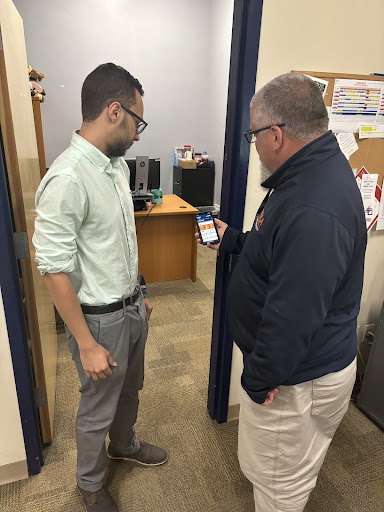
(202,474)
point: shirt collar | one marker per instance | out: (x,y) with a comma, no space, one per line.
(95,156)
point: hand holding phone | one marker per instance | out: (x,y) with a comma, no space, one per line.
(210,232)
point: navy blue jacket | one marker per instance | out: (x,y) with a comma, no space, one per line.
(295,292)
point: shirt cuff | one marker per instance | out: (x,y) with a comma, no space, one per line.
(46,267)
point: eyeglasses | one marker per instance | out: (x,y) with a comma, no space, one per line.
(141,125)
(250,135)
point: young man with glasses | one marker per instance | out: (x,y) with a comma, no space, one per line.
(86,250)
(295,294)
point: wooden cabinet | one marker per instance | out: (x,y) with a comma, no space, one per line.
(166,241)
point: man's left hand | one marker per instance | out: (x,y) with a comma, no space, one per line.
(148,307)
(271,395)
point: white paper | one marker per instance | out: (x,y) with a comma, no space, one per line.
(346,126)
(356,103)
(338,126)
(367,189)
(370,223)
(380,220)
(375,131)
(347,143)
(323,84)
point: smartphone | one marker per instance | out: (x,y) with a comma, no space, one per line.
(207,228)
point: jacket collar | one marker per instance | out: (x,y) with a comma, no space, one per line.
(316,151)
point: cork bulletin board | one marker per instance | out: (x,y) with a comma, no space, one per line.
(371,151)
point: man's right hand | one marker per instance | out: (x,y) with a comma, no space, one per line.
(221,227)
(96,361)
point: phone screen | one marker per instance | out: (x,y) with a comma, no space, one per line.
(207,228)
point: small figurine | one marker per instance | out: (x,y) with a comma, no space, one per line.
(36,90)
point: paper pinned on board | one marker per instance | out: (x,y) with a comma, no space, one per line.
(347,143)
(373,131)
(367,189)
(342,126)
(359,176)
(356,103)
(323,84)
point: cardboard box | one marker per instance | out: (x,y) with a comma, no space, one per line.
(187,164)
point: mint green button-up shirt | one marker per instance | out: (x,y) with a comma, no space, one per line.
(85,224)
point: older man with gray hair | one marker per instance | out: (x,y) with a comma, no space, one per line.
(295,294)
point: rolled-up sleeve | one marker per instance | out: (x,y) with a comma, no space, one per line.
(61,206)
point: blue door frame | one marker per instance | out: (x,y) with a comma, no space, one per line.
(10,289)
(242,80)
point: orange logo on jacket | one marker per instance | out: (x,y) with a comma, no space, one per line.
(260,220)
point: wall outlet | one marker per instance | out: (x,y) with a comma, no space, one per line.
(368,327)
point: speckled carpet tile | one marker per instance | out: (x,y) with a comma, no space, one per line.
(202,474)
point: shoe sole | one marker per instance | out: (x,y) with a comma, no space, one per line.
(138,461)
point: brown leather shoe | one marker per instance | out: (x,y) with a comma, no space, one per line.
(148,455)
(99,501)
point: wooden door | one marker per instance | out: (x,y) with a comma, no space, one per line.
(22,162)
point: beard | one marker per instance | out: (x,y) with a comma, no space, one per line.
(118,148)
(120,144)
(265,172)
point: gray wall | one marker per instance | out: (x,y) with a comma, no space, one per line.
(167,44)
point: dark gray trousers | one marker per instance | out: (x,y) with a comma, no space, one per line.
(110,405)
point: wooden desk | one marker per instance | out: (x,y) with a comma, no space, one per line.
(166,240)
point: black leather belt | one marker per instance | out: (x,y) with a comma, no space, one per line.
(109,308)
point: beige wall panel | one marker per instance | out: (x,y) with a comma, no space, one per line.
(12,450)
(16,117)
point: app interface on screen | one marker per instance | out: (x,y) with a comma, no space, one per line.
(207,228)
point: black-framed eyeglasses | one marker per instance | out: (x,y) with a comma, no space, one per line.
(141,125)
(250,135)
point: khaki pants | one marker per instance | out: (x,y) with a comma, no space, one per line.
(282,446)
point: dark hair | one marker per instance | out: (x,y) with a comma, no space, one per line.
(107,83)
(293,99)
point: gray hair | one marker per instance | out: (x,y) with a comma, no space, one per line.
(293,99)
